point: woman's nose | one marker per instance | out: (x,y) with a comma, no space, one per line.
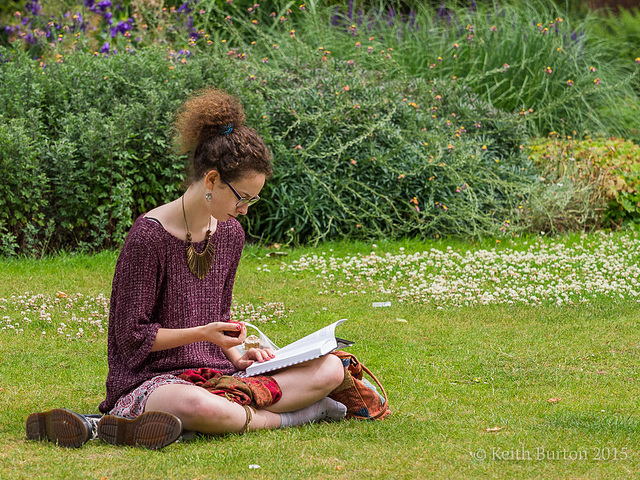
(242,210)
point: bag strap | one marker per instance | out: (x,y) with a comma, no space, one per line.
(384,394)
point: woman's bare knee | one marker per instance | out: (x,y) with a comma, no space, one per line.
(328,372)
(196,408)
(333,370)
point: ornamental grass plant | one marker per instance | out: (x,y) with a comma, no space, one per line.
(559,72)
(518,387)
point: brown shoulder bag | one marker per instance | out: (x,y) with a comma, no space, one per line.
(362,399)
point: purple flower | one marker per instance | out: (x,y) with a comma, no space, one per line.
(122,27)
(89,3)
(33,6)
(444,13)
(103,5)
(105,48)
(412,18)
(336,18)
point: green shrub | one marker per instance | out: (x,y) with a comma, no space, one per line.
(24,190)
(99,130)
(360,155)
(618,33)
(87,145)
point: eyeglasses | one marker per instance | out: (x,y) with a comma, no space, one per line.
(241,200)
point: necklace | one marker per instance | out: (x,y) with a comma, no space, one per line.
(199,263)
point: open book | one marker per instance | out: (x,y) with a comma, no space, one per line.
(312,346)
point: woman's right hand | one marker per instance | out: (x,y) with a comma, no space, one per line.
(214,332)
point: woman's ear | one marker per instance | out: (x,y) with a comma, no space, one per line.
(210,179)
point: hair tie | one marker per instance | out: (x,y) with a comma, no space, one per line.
(227,129)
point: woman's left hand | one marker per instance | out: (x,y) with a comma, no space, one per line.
(252,355)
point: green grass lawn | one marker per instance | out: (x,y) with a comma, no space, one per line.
(502,390)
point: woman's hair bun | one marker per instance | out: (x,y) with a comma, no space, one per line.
(205,114)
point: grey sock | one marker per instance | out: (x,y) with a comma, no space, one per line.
(93,421)
(326,409)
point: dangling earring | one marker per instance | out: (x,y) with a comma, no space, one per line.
(208,196)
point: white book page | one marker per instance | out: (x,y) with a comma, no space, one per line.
(312,346)
(311,341)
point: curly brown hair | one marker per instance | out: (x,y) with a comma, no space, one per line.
(202,130)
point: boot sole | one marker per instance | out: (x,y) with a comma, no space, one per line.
(152,430)
(59,426)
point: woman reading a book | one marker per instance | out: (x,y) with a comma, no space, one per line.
(170,331)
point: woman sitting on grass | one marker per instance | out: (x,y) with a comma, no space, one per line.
(169,321)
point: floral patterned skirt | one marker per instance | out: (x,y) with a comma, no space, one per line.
(258,391)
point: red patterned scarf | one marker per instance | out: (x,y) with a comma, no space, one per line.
(259,391)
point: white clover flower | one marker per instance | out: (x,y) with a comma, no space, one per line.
(545,272)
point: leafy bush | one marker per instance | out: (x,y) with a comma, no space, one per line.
(86,144)
(598,180)
(377,156)
(24,187)
(360,155)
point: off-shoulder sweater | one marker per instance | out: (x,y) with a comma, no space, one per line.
(153,288)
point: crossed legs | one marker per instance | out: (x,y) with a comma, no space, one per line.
(302,385)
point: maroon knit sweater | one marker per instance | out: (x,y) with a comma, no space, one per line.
(153,288)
